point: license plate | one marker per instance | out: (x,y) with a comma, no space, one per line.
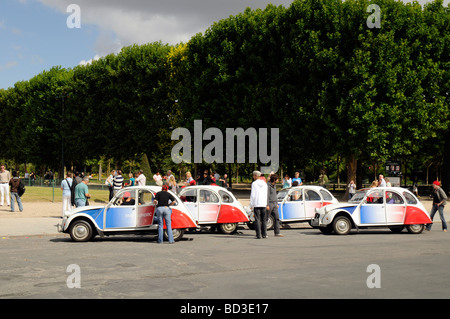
(315,222)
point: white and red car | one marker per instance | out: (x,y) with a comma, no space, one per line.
(212,205)
(392,207)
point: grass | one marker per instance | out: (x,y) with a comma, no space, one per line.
(48,194)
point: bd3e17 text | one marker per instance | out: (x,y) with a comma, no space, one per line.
(228,308)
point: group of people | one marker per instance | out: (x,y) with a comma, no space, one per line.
(11,188)
(263,200)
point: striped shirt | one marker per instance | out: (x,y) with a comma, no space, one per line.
(118,182)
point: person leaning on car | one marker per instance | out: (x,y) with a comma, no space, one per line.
(163,211)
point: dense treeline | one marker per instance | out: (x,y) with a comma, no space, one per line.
(335,87)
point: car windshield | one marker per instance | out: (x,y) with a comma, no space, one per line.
(282,194)
(359,196)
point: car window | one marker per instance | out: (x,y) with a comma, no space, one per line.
(207,196)
(375,197)
(326,195)
(410,199)
(282,194)
(189,196)
(295,195)
(125,198)
(393,198)
(311,195)
(145,197)
(226,198)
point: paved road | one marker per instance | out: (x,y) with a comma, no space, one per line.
(303,264)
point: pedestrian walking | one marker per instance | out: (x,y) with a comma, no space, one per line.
(15,182)
(164,213)
(272,204)
(439,201)
(66,187)
(82,193)
(5,177)
(258,201)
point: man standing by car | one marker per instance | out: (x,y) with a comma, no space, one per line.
(163,212)
(272,204)
(439,200)
(258,201)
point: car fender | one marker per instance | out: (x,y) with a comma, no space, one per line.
(415,215)
(330,216)
(90,214)
(231,214)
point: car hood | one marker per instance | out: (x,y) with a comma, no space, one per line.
(333,206)
(81,210)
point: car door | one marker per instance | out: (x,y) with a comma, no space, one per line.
(121,212)
(293,206)
(189,196)
(208,206)
(372,209)
(395,207)
(145,208)
(313,200)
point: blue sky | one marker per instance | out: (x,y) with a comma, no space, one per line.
(35,36)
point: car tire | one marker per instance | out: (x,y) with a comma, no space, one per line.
(415,229)
(270,223)
(80,230)
(342,225)
(228,228)
(177,234)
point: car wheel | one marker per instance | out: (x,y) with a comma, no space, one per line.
(177,234)
(251,225)
(270,222)
(342,225)
(228,228)
(80,230)
(415,229)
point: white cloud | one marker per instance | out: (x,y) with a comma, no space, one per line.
(84,62)
(143,21)
(8,65)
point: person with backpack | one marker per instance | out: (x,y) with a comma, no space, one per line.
(66,187)
(15,184)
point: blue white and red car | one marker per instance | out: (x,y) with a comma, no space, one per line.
(393,207)
(297,204)
(130,211)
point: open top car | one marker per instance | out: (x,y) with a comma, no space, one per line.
(297,204)
(392,207)
(131,210)
(214,206)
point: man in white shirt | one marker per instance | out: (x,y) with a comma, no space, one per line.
(5,176)
(258,201)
